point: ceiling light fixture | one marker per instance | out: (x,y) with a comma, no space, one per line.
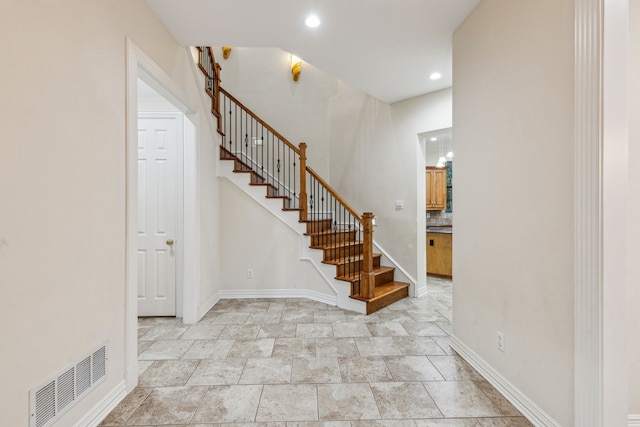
(312,21)
(435,76)
(296,64)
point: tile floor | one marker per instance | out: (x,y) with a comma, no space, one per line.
(300,363)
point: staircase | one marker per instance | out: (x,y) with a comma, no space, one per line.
(344,236)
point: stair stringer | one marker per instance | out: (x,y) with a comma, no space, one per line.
(341,289)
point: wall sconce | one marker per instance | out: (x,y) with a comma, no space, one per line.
(296,64)
(226,51)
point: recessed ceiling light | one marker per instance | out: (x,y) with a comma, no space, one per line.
(434,139)
(435,76)
(312,21)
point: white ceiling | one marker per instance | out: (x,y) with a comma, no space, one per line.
(386,48)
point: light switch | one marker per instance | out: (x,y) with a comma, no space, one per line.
(399,205)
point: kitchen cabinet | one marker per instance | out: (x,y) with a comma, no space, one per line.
(439,254)
(436,179)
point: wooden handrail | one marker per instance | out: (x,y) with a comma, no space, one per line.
(262,122)
(335,194)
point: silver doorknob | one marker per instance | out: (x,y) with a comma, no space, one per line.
(170,242)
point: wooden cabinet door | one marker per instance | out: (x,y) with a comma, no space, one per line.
(436,182)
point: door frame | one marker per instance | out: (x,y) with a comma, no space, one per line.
(140,65)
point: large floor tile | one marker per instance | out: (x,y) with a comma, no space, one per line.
(291,402)
(346,401)
(384,423)
(264,318)
(126,408)
(454,368)
(272,370)
(452,422)
(504,422)
(167,373)
(387,329)
(418,346)
(240,332)
(314,330)
(203,332)
(378,346)
(233,318)
(165,350)
(412,368)
(397,400)
(230,403)
(316,370)
(336,347)
(294,347)
(277,330)
(217,372)
(209,349)
(418,328)
(461,399)
(350,329)
(364,369)
(170,405)
(252,348)
(506,408)
(171,332)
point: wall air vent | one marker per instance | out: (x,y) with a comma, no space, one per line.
(59,393)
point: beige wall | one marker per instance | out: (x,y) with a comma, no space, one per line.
(513,100)
(634,208)
(62,186)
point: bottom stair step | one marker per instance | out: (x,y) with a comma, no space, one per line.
(385,295)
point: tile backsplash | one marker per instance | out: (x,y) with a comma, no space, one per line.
(439,218)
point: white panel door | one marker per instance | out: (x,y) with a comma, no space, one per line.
(158,141)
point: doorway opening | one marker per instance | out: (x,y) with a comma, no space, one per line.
(144,74)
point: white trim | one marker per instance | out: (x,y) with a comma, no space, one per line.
(139,64)
(208,305)
(518,399)
(278,293)
(101,409)
(633,420)
(588,364)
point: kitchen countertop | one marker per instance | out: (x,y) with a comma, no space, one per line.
(440,230)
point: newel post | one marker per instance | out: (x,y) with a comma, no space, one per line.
(302,198)
(367,278)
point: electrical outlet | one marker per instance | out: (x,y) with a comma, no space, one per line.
(250,273)
(500,340)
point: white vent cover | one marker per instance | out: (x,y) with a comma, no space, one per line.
(53,398)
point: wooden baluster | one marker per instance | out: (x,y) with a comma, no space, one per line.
(367,278)
(302,198)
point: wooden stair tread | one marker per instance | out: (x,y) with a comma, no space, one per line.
(328,233)
(356,276)
(389,291)
(345,260)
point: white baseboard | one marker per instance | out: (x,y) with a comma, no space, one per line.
(278,293)
(107,404)
(204,309)
(634,420)
(518,399)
